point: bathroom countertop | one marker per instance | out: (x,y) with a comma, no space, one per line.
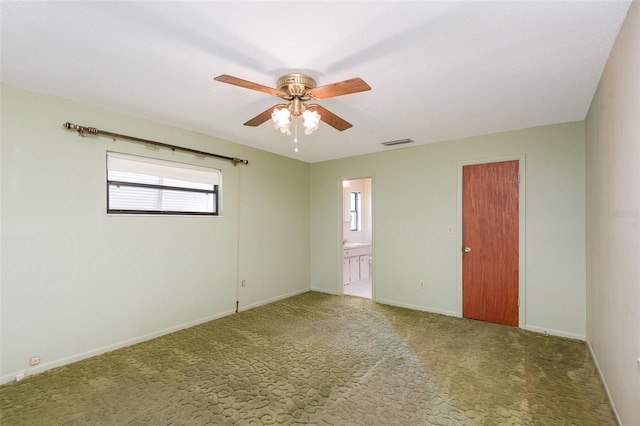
(348,246)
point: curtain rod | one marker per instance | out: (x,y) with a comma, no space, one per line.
(84,131)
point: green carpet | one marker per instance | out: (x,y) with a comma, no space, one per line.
(324,360)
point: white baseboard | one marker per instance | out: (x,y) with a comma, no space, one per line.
(323,290)
(79,357)
(417,308)
(604,383)
(555,332)
(455,314)
(271,300)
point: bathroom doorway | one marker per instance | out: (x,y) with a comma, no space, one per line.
(357,238)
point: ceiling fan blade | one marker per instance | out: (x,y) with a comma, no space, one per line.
(330,118)
(260,118)
(263,116)
(346,87)
(224,78)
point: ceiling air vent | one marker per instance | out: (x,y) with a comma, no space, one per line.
(397,142)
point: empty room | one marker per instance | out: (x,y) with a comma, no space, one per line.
(320,212)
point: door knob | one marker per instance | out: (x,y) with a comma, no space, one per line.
(467,249)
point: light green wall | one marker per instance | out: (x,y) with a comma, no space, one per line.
(274,237)
(76,282)
(415,200)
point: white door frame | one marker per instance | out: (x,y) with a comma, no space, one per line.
(521,232)
(340,223)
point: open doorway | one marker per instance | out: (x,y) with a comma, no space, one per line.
(357,238)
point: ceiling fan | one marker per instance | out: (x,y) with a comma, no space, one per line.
(298,89)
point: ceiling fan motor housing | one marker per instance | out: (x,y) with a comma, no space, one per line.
(296,85)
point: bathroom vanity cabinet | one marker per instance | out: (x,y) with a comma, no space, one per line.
(355,264)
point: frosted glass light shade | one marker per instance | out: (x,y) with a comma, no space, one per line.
(310,121)
(281,119)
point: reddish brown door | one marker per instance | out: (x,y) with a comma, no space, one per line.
(490,242)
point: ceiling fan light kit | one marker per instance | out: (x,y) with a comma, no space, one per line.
(310,121)
(298,89)
(281,119)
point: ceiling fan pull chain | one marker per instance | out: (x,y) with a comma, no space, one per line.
(295,139)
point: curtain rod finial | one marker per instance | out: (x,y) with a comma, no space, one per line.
(238,160)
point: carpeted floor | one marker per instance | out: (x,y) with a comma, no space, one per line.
(324,360)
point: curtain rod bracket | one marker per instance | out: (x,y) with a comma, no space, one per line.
(85,130)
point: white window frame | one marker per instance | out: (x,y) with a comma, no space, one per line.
(163,187)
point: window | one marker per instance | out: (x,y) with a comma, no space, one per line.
(149,186)
(355,211)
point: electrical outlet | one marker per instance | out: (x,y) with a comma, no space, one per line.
(450,229)
(19,377)
(35,360)
(244,283)
(421,284)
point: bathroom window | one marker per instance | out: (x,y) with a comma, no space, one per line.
(140,185)
(355,211)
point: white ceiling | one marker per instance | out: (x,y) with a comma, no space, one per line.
(438,70)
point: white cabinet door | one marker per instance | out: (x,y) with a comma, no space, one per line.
(354,269)
(364,267)
(345,271)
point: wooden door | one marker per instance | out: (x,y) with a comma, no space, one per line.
(490,242)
